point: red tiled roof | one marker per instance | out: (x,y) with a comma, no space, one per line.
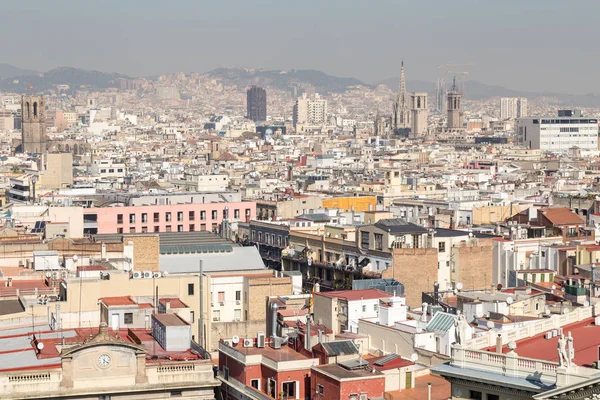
(174,302)
(118,301)
(562,216)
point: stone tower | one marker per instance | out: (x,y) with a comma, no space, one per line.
(418,109)
(455,114)
(33,127)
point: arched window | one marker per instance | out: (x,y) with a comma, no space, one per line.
(28,111)
(35,107)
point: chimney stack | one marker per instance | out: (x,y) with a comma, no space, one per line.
(499,343)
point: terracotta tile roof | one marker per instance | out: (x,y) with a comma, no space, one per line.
(353,295)
(562,216)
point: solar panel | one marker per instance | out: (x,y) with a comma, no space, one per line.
(386,359)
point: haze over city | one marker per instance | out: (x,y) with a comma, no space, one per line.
(527,46)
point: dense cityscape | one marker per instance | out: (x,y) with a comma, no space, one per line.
(255,234)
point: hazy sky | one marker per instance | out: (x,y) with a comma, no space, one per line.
(541,45)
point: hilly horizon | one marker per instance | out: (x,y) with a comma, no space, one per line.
(20,80)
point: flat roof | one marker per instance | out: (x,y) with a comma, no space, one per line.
(354,295)
(337,372)
(118,301)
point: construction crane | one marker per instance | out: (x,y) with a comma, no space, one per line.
(461,80)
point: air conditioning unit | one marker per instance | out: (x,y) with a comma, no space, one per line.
(147,274)
(548,335)
(248,343)
(136,275)
(221,303)
(237,302)
(260,339)
(228,342)
(157,275)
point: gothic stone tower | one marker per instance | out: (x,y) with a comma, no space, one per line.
(33,127)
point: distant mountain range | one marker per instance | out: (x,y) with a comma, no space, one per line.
(14,79)
(19,80)
(285,80)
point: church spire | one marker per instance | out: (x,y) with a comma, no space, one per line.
(402,90)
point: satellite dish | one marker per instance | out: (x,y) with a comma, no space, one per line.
(553,287)
(75,258)
(510,300)
(512,345)
(566,311)
(499,286)
(40,346)
(414,357)
(459,286)
(235,339)
(490,325)
(547,310)
(586,303)
(48,275)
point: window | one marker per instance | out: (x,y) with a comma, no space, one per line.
(203,227)
(214,228)
(144,218)
(289,390)
(238,295)
(191,215)
(176,393)
(364,308)
(192,228)
(364,396)
(168,228)
(221,297)
(103,171)
(119,169)
(144,229)
(179,216)
(353,396)
(255,383)
(128,318)
(111,170)
(378,241)
(157,229)
(202,215)
(156,217)
(216,315)
(190,289)
(132,230)
(119,230)
(132,218)
(374,307)
(442,247)
(236,213)
(179,228)
(320,389)
(191,317)
(119,218)
(247,212)
(237,314)
(474,394)
(364,240)
(272,387)
(493,397)
(226,373)
(213,214)
(168,217)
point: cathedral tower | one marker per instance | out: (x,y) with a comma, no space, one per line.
(401,111)
(33,127)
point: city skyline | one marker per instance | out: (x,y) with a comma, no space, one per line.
(341,41)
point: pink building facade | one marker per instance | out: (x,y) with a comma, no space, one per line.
(166,218)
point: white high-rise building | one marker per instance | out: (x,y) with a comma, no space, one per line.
(513,107)
(310,111)
(558,134)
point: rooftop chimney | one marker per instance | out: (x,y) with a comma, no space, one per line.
(436,287)
(499,343)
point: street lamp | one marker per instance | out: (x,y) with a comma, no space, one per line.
(428,390)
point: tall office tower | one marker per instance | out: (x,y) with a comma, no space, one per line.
(440,95)
(310,111)
(418,109)
(33,127)
(522,107)
(513,107)
(401,111)
(455,115)
(256,103)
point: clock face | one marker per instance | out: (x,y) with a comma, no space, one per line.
(104,360)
